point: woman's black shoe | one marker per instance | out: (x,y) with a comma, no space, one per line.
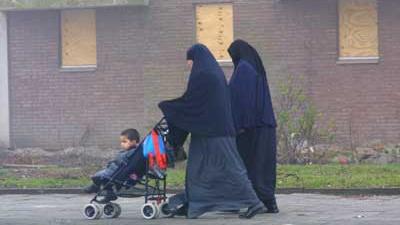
(252,211)
(181,211)
(273,209)
(271,206)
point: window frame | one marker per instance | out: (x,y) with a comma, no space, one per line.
(222,62)
(75,68)
(357,59)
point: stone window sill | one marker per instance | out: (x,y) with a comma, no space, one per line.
(357,60)
(225,63)
(72,69)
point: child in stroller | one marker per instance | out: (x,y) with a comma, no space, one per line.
(144,163)
(129,139)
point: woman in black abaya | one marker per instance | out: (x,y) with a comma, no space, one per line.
(254,120)
(216,179)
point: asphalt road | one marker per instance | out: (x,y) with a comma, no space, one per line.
(296,209)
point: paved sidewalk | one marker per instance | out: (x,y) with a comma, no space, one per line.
(296,209)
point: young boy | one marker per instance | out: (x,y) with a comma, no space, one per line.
(129,140)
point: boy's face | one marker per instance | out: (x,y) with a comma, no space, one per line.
(127,144)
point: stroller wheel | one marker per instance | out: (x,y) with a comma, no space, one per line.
(119,210)
(92,211)
(164,209)
(149,211)
(111,210)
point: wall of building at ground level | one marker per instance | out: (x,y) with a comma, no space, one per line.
(141,60)
(53,109)
(4,94)
(363,99)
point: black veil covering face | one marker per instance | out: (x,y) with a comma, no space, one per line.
(241,50)
(204,108)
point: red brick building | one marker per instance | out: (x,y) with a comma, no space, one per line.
(71,77)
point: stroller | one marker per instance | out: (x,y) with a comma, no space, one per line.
(151,159)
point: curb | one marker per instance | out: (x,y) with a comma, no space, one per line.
(39,191)
(342,191)
(353,191)
(45,191)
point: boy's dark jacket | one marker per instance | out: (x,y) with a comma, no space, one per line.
(127,163)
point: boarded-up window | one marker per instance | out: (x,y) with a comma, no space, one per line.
(78,35)
(358,32)
(214,28)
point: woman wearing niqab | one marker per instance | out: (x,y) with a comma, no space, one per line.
(254,121)
(216,178)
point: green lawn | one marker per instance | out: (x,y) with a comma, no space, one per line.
(289,176)
(338,176)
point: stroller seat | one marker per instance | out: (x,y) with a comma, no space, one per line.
(146,167)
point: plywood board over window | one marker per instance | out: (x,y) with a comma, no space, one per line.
(214,28)
(358,29)
(78,35)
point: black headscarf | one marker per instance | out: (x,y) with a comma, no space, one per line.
(241,51)
(204,108)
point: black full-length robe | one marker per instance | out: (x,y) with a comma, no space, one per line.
(216,178)
(254,119)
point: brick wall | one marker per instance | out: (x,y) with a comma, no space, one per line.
(54,109)
(360,98)
(300,38)
(141,60)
